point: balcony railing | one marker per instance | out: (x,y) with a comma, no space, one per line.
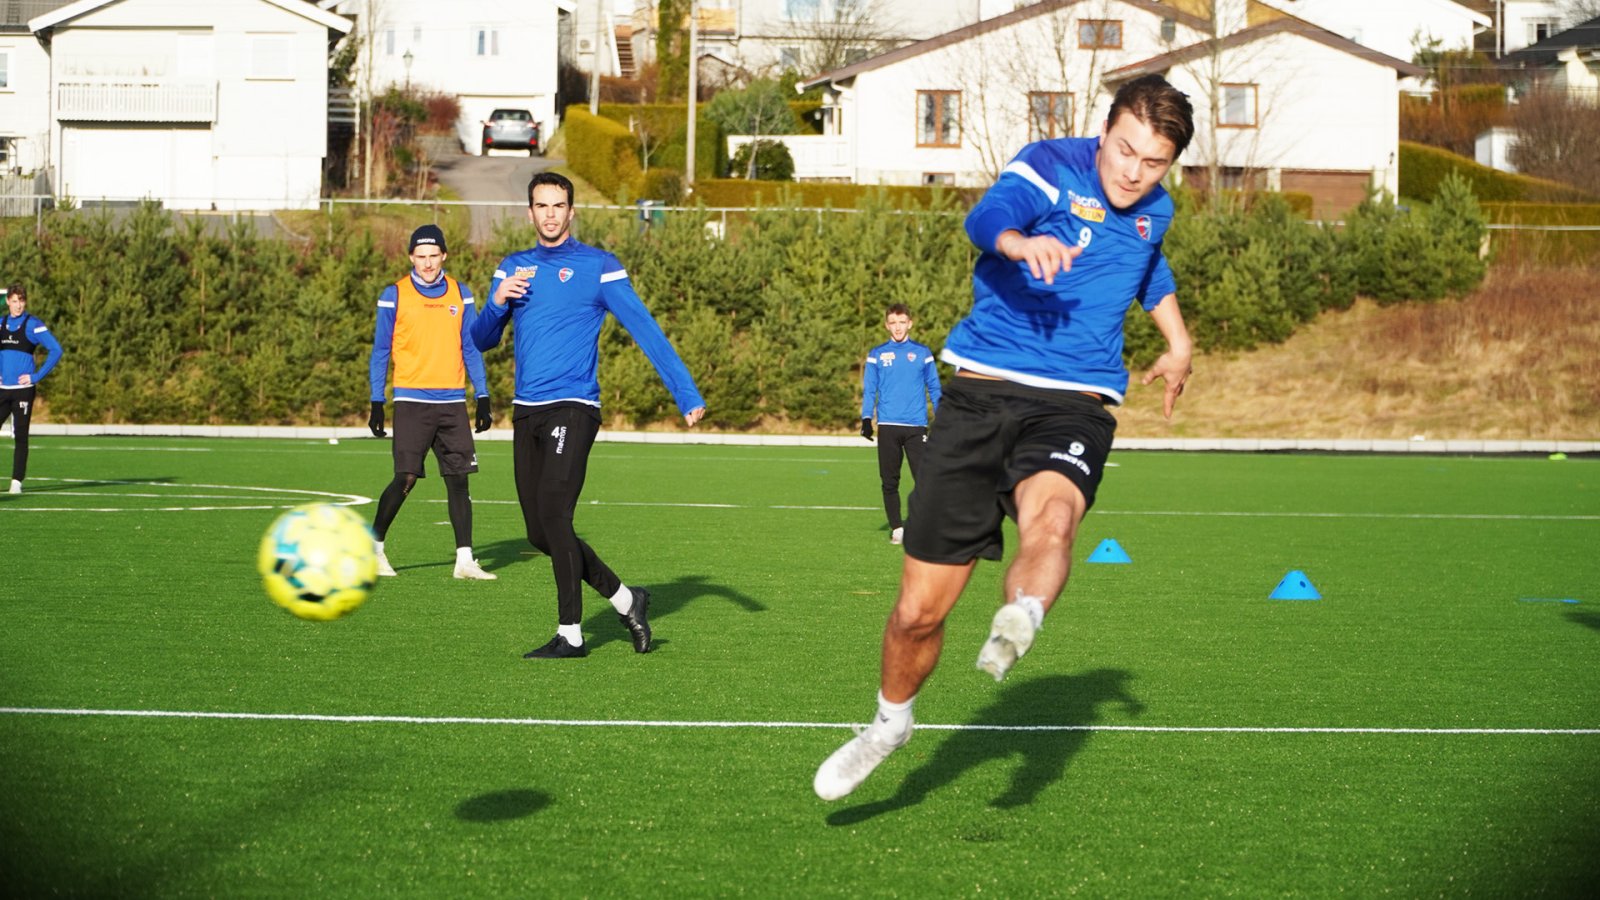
(136,100)
(817,157)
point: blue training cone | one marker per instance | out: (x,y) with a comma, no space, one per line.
(1109,551)
(1295,586)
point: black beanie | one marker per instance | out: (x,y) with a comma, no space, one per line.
(427,234)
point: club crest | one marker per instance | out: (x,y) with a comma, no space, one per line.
(453,310)
(1143,225)
(564,274)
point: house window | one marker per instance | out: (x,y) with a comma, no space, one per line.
(388,42)
(416,34)
(5,70)
(789,58)
(846,10)
(929,179)
(5,153)
(270,57)
(1049,115)
(802,10)
(486,41)
(1100,34)
(853,55)
(938,118)
(1539,29)
(1238,106)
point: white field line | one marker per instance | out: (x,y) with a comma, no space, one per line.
(662,723)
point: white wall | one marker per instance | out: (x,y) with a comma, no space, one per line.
(1391,26)
(995,72)
(1519,17)
(516,67)
(25,101)
(270,133)
(1317,108)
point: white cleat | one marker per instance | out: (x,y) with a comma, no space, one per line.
(1010,636)
(16,486)
(850,765)
(383,565)
(897,536)
(469,570)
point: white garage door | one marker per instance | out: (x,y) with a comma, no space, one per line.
(172,165)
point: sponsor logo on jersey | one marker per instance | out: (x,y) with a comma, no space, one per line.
(564,274)
(1143,225)
(1076,448)
(529,271)
(886,357)
(1087,208)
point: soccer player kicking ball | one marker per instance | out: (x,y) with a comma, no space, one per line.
(1069,233)
(556,296)
(422,323)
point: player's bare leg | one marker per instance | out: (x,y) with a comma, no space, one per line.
(911,644)
(1049,508)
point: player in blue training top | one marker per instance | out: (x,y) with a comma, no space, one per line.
(556,296)
(20,336)
(1069,235)
(423,323)
(898,381)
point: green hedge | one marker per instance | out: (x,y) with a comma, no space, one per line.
(1424,168)
(1530,245)
(603,152)
(738,192)
(165,321)
(669,124)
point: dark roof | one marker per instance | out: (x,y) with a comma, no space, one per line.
(984,27)
(1583,36)
(14,14)
(1285,25)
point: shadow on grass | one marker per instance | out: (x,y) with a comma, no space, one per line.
(1585,618)
(53,485)
(502,806)
(1070,700)
(666,598)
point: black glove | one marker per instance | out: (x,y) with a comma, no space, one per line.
(375,421)
(866,429)
(485,419)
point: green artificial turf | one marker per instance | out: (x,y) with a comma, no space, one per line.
(1427,727)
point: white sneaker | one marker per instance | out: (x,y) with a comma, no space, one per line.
(1010,636)
(897,536)
(470,570)
(850,765)
(383,565)
(16,486)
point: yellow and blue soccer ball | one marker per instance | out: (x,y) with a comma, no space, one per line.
(318,561)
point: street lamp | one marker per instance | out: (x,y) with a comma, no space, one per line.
(407,60)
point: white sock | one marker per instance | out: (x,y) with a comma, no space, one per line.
(622,600)
(463,555)
(379,545)
(573,634)
(1033,606)
(894,719)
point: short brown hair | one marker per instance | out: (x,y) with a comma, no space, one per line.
(1155,102)
(900,308)
(18,289)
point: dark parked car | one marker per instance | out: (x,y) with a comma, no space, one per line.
(511,129)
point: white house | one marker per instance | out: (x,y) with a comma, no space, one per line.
(221,103)
(1280,104)
(1568,61)
(488,53)
(769,36)
(24,89)
(1398,28)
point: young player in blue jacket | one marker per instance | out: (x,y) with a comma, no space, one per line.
(422,324)
(556,296)
(21,335)
(1068,235)
(898,381)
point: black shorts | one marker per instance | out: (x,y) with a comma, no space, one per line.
(988,437)
(444,427)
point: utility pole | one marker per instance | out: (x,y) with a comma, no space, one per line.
(594,60)
(694,90)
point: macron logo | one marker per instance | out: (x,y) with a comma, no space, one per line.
(1071,460)
(560,434)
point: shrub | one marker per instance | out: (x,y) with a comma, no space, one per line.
(763,161)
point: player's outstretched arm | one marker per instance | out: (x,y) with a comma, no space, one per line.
(1175,365)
